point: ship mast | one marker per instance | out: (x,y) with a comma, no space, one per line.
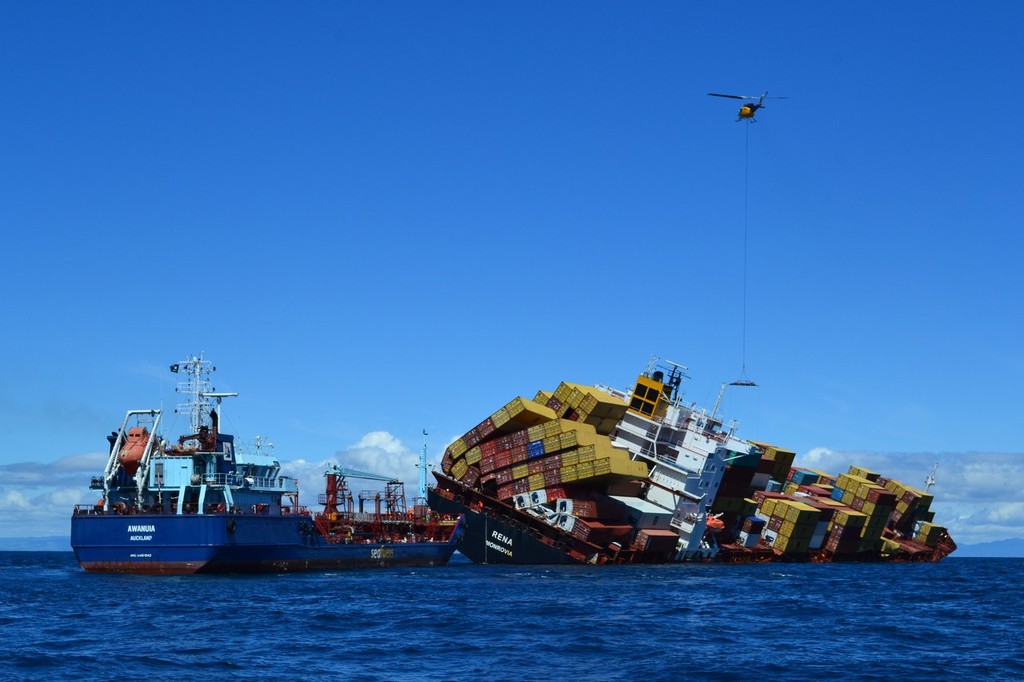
(200,394)
(423,470)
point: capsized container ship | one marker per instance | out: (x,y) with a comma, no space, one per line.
(202,505)
(595,475)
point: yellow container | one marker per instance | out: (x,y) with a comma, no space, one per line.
(535,433)
(473,455)
(523,413)
(850,518)
(797,512)
(520,471)
(586,454)
(791,545)
(500,418)
(552,444)
(536,481)
(457,448)
(863,473)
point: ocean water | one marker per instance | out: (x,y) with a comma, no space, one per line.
(959,619)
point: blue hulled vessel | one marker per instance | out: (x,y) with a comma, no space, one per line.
(200,504)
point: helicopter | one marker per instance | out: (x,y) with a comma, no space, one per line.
(750,104)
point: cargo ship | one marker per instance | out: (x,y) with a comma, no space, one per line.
(596,475)
(202,505)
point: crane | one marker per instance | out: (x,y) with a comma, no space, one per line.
(355,473)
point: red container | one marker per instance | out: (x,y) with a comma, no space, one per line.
(752,524)
(519,453)
(881,498)
(656,540)
(485,428)
(552,477)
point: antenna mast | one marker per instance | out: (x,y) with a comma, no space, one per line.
(199,393)
(423,468)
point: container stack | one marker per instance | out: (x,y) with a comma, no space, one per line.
(585,404)
(796,526)
(928,533)
(844,533)
(554,460)
(912,505)
(776,461)
(857,514)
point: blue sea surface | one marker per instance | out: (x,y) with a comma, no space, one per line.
(961,618)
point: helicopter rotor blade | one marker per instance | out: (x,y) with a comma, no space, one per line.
(718,94)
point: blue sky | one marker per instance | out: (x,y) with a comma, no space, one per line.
(376,219)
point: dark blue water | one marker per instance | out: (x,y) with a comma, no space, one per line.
(957,619)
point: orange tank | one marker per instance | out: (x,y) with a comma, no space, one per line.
(133,448)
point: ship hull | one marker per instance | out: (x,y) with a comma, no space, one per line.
(229,543)
(490,539)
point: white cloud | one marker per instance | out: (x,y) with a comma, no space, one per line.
(377,452)
(89,463)
(14,501)
(1008,513)
(42,515)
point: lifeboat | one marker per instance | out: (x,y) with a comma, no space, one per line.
(133,449)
